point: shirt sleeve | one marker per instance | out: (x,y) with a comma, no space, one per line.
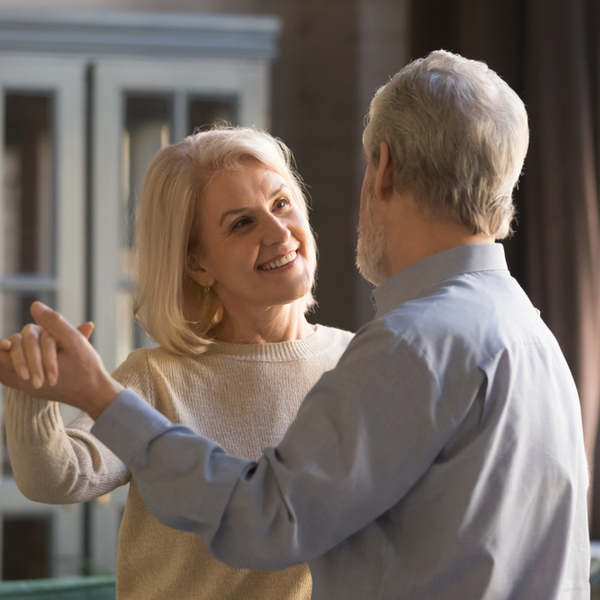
(367,431)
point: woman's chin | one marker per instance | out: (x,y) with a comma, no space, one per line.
(288,292)
(296,299)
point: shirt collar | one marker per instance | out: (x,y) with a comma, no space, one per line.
(409,283)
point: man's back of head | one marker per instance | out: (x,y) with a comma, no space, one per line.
(458,134)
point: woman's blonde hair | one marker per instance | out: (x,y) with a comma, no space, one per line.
(458,133)
(171,307)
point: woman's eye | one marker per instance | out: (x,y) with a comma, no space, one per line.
(282,203)
(240,223)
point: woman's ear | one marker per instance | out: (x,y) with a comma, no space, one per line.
(197,272)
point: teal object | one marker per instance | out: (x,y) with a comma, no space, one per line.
(80,588)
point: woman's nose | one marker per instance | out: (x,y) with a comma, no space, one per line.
(275,231)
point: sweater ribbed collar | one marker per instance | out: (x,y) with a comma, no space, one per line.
(317,343)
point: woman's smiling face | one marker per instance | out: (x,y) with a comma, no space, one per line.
(253,244)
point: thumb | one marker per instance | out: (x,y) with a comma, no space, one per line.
(55,324)
(86,329)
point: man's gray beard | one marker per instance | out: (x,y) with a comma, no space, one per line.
(371,258)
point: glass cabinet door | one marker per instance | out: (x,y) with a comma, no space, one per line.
(139,107)
(77,133)
(29,232)
(147,128)
(159,103)
(42,257)
(149,125)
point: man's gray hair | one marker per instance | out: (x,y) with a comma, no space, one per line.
(457,133)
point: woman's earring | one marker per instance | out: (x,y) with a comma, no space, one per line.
(207,289)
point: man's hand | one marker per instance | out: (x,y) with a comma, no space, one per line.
(83,381)
(33,353)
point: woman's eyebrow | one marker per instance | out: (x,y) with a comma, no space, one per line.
(234,211)
(278,190)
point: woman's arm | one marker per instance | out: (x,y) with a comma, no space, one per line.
(53,463)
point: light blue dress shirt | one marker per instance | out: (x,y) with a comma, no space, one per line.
(442,459)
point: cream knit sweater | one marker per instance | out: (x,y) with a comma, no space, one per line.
(244,396)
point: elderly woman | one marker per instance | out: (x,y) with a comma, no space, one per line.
(226,263)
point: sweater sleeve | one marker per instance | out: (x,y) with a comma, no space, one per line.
(57,464)
(53,463)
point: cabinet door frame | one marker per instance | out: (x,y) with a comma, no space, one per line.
(88,60)
(66,532)
(64,78)
(246,80)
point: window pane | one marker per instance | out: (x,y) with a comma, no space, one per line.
(16,309)
(6,466)
(28,213)
(146,130)
(15,316)
(29,185)
(204,111)
(26,547)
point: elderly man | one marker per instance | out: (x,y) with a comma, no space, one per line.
(443,457)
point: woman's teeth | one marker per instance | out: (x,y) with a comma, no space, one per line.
(284,260)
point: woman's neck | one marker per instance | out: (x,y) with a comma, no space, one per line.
(274,324)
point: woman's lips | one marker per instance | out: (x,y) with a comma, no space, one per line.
(280,262)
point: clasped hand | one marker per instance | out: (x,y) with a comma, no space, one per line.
(54,360)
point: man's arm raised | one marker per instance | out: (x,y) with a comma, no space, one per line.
(83,381)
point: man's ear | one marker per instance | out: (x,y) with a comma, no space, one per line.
(384,177)
(197,272)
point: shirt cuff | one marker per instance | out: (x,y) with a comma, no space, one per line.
(128,424)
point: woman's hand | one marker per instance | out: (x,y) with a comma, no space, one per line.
(34,353)
(83,382)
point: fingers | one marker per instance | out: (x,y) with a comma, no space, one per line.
(53,322)
(49,357)
(17,356)
(49,352)
(33,353)
(36,352)
(8,376)
(86,329)
(34,356)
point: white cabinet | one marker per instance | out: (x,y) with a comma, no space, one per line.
(157,102)
(86,99)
